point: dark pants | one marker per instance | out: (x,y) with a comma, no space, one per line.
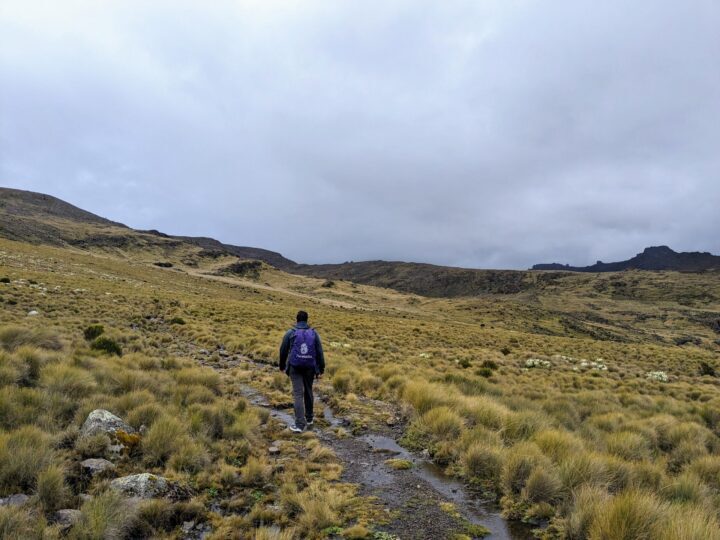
(302,382)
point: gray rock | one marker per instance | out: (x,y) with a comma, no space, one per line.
(102,421)
(97,467)
(148,486)
(273,450)
(66,518)
(17,499)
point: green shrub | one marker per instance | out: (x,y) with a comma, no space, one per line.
(484,372)
(107,345)
(93,331)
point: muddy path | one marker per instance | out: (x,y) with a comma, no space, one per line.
(415,499)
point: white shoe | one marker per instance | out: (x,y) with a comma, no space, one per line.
(295,429)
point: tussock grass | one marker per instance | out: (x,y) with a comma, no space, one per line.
(107,515)
(483,464)
(13,337)
(51,490)
(17,523)
(165,437)
(67,380)
(603,432)
(23,454)
(633,515)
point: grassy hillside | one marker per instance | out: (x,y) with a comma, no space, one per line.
(587,405)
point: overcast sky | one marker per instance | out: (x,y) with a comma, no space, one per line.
(476,133)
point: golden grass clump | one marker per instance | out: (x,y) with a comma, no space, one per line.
(520,461)
(23,454)
(483,464)
(107,515)
(632,515)
(19,523)
(166,436)
(67,380)
(424,396)
(443,423)
(13,337)
(51,490)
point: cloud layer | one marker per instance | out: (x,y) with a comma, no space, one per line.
(489,134)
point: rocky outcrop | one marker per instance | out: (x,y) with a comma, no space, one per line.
(149,486)
(66,518)
(97,467)
(102,421)
(17,499)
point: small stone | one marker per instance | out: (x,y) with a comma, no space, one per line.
(32,313)
(97,467)
(148,486)
(273,450)
(66,518)
(18,499)
(85,497)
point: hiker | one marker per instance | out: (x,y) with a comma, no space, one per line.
(306,363)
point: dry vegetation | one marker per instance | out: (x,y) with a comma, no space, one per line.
(573,405)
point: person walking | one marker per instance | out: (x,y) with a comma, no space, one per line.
(302,359)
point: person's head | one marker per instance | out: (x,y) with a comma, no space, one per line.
(302,316)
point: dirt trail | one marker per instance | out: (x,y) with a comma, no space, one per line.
(412,498)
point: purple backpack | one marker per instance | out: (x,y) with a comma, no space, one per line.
(303,350)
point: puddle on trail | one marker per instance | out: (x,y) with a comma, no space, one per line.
(473,509)
(476,511)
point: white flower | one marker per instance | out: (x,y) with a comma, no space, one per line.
(657,376)
(537,362)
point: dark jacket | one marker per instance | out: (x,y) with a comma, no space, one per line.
(287,344)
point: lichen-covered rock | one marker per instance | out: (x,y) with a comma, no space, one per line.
(97,467)
(149,486)
(17,499)
(66,518)
(102,421)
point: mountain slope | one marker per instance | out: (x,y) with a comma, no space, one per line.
(652,258)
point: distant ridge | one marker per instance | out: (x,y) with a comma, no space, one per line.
(42,219)
(652,258)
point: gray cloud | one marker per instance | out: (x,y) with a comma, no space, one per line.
(488,134)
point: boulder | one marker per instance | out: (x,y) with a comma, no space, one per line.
(273,450)
(97,467)
(149,486)
(66,518)
(17,499)
(102,421)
